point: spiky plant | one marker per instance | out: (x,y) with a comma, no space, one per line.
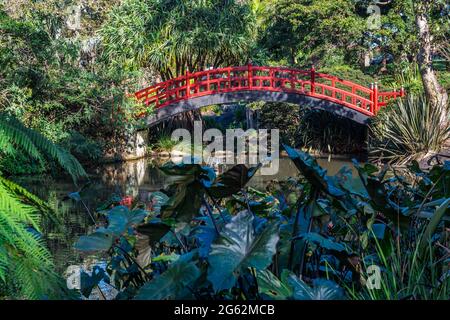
(408,129)
(26,267)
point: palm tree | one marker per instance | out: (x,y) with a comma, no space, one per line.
(173,36)
(26,267)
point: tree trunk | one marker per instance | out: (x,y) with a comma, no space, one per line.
(433,90)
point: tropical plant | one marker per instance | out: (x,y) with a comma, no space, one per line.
(209,237)
(164,143)
(174,36)
(26,267)
(408,129)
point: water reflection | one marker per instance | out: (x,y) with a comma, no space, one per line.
(134,178)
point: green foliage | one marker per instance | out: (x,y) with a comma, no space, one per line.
(164,143)
(26,267)
(409,129)
(15,137)
(83,148)
(174,36)
(311,128)
(318,246)
(25,263)
(314,31)
(172,284)
(409,78)
(120,221)
(240,247)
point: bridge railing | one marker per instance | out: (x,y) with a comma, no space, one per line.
(275,79)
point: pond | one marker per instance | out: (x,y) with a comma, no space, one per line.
(133,178)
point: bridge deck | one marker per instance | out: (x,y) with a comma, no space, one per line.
(252,83)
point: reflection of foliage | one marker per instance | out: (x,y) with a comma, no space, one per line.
(310,238)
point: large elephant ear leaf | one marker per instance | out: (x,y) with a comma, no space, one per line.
(272,287)
(313,172)
(432,225)
(379,193)
(321,290)
(120,221)
(180,169)
(154,230)
(184,204)
(172,283)
(232,181)
(97,241)
(240,247)
(188,189)
(325,242)
(157,200)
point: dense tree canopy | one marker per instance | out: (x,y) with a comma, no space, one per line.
(173,36)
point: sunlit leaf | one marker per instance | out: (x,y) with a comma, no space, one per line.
(239,247)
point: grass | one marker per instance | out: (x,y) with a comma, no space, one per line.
(405,274)
(164,144)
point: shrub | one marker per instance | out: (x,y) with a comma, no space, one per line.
(406,130)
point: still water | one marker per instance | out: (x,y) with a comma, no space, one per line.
(133,178)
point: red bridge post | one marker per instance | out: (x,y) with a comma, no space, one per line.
(313,79)
(375,98)
(188,84)
(249,75)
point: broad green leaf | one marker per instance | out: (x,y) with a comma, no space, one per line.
(185,204)
(172,283)
(154,229)
(232,181)
(97,241)
(321,289)
(314,173)
(120,220)
(158,199)
(432,226)
(324,242)
(188,190)
(75,196)
(166,257)
(271,286)
(240,247)
(89,282)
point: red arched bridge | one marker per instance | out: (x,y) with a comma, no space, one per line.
(255,83)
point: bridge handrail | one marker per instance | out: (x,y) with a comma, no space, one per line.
(261,78)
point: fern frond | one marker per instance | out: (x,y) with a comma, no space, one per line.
(13,132)
(28,198)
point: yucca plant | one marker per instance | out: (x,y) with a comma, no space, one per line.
(26,267)
(408,129)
